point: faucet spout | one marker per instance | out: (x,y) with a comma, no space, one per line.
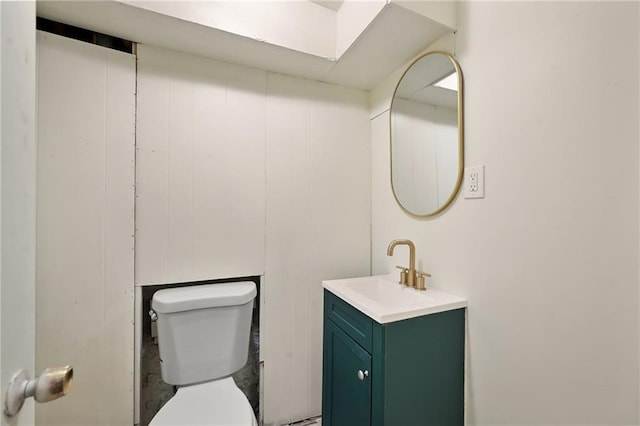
(411,276)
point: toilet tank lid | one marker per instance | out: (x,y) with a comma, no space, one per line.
(203,296)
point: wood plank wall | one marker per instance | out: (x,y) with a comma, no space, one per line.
(244,172)
(318,204)
(85,200)
(200,196)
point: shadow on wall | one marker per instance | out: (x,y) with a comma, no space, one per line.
(154,392)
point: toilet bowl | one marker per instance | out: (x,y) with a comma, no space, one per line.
(203,338)
(218,403)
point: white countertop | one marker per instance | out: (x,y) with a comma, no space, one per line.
(384,300)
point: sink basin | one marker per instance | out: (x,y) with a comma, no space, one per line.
(384,300)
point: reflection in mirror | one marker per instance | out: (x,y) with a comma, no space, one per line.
(426,135)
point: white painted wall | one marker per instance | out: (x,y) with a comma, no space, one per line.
(17,196)
(244,172)
(549,259)
(86,113)
(200,185)
(318,227)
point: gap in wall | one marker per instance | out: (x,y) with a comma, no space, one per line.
(154,392)
(85,35)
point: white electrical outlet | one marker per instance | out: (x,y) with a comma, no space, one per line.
(474,182)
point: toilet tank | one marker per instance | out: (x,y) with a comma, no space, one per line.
(203,330)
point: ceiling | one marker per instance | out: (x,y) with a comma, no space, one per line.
(329,4)
(393,36)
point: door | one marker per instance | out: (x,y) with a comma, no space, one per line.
(346,381)
(17,196)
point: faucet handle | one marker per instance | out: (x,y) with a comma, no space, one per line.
(426,274)
(420,280)
(404,275)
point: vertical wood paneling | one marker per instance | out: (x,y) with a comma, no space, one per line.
(317,228)
(211,144)
(244,188)
(203,173)
(86,99)
(277,295)
(179,177)
(241,172)
(152,195)
(117,343)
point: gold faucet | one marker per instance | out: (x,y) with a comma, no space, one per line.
(410,279)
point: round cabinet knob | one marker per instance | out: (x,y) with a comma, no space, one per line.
(363,374)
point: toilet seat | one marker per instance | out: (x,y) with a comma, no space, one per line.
(215,403)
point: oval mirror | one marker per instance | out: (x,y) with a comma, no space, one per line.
(427,135)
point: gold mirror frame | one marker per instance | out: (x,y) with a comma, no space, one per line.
(458,183)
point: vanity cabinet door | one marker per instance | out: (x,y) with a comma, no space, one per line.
(346,380)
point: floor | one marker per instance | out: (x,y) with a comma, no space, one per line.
(315,421)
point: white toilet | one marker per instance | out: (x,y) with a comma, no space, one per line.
(203,334)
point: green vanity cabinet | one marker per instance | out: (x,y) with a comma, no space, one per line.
(408,372)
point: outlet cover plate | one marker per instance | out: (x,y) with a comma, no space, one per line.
(474,182)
